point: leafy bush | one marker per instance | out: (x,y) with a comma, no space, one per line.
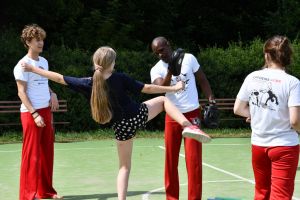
(227,68)
(224,68)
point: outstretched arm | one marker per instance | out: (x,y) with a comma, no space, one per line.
(53,76)
(156,89)
(164,81)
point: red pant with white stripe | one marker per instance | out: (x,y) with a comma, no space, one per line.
(193,159)
(274,171)
(37,157)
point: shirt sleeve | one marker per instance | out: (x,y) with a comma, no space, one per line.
(132,85)
(20,74)
(194,63)
(154,75)
(159,70)
(294,97)
(82,85)
(243,93)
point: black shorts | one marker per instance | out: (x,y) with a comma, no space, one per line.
(125,129)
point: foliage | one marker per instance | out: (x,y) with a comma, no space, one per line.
(224,31)
(225,69)
(101,134)
(11,51)
(132,24)
(284,19)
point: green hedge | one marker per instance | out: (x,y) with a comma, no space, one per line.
(225,69)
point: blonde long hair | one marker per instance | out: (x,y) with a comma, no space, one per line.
(100,105)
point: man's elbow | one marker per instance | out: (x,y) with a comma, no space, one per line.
(235,110)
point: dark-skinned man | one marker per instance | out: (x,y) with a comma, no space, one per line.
(187,101)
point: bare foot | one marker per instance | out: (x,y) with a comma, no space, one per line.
(56,196)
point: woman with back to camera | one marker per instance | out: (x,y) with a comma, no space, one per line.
(110,102)
(270,97)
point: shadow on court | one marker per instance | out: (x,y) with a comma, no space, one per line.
(105,196)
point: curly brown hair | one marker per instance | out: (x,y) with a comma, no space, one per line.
(32,31)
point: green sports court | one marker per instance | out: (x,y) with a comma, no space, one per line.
(87,170)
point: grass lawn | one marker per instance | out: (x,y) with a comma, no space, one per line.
(86,165)
(87,170)
(16,137)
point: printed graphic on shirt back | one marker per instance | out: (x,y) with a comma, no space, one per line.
(263,95)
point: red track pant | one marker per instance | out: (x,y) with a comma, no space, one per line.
(37,157)
(193,159)
(274,171)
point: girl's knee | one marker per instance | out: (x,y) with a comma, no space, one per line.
(125,168)
(162,98)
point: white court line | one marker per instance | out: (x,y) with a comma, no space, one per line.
(70,149)
(228,173)
(91,148)
(146,195)
(79,148)
(12,151)
(227,144)
(224,181)
(220,170)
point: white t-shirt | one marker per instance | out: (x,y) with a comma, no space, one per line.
(185,100)
(37,86)
(270,93)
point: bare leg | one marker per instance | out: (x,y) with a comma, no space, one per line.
(124,152)
(56,196)
(161,103)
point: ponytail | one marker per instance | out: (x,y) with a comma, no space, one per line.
(100,105)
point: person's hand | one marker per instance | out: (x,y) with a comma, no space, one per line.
(26,67)
(179,86)
(38,119)
(53,102)
(99,68)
